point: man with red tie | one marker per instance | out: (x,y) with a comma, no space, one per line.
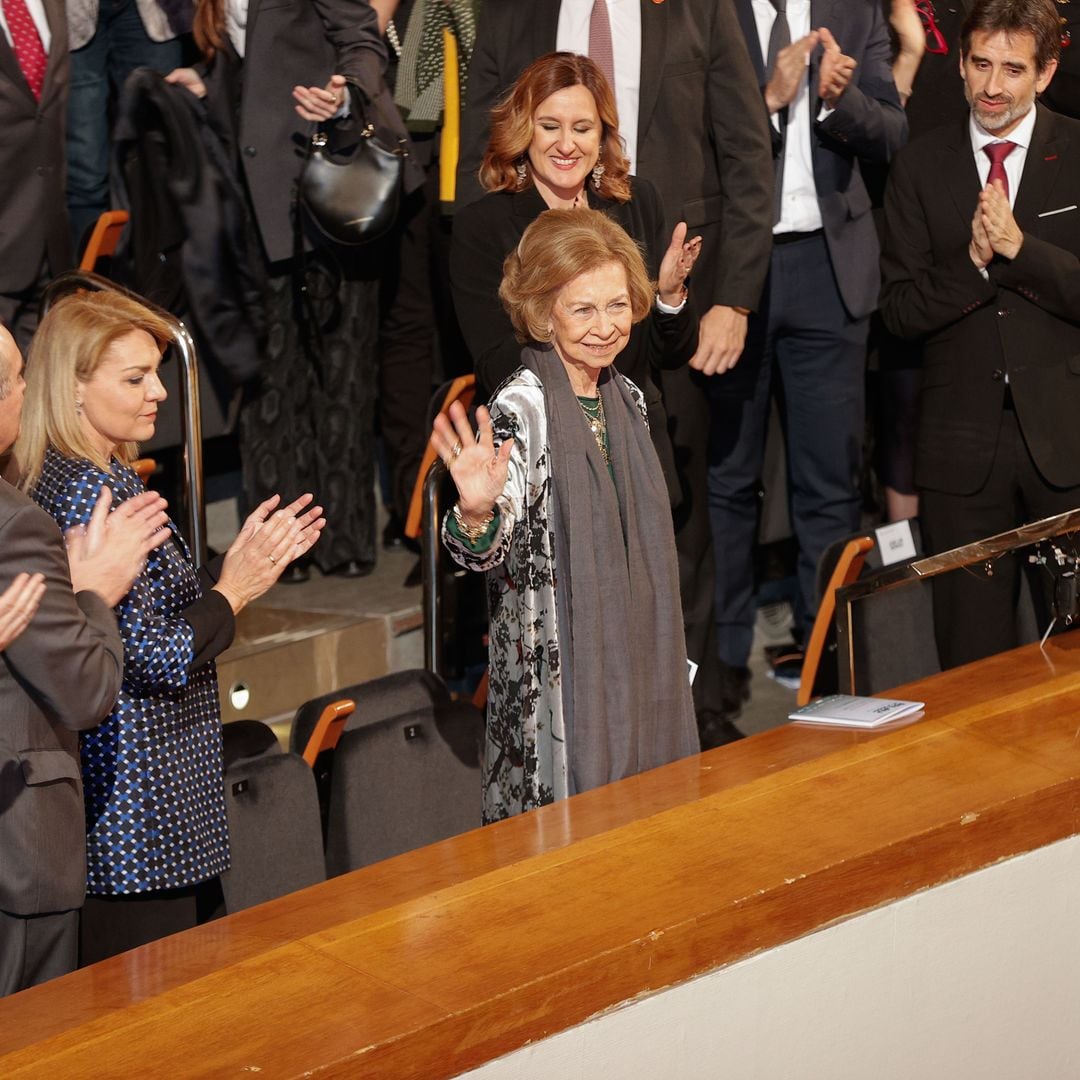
(981,265)
(34,241)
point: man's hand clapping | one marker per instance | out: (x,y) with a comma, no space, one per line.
(1002,232)
(790,67)
(107,554)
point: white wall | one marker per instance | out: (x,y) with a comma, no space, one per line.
(979,978)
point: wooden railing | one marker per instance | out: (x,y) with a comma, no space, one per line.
(434,962)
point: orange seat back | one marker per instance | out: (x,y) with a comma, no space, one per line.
(328,729)
(847,569)
(104,238)
(462,389)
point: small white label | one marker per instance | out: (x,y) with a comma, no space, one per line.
(895,542)
(693,670)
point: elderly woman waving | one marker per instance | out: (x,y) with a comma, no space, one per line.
(562,501)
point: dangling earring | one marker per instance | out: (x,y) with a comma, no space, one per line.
(598,174)
(522,172)
(78,407)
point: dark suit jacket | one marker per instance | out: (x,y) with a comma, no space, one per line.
(60,677)
(290,43)
(1023,321)
(33,220)
(487,231)
(702,133)
(867,124)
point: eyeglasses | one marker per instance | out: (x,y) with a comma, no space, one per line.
(935,39)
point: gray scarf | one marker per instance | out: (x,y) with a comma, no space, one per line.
(625,690)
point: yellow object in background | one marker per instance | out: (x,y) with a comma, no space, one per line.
(451,130)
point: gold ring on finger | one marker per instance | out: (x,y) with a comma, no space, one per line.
(272,559)
(455,451)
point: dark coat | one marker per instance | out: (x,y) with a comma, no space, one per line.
(191,248)
(1024,321)
(299,42)
(33,220)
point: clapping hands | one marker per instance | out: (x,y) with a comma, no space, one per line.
(269,540)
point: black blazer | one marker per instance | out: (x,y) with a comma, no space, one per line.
(487,231)
(868,124)
(61,676)
(702,131)
(33,218)
(290,43)
(1024,321)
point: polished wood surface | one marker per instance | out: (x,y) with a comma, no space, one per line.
(431,963)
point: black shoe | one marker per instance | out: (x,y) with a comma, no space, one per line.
(733,684)
(295,574)
(715,730)
(352,568)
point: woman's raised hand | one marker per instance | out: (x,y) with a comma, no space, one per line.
(478,469)
(268,542)
(676,265)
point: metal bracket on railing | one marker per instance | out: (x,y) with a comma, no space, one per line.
(430,557)
(190,408)
(980,552)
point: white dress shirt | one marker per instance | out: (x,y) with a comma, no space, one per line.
(236,24)
(1014,163)
(625,18)
(37,13)
(799,210)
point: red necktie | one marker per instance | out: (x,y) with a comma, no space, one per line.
(600,51)
(26,42)
(997,152)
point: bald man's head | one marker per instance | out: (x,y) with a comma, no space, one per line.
(11,389)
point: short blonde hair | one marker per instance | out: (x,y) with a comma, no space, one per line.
(67,349)
(557,247)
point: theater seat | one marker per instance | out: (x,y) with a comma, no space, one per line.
(402,782)
(275,836)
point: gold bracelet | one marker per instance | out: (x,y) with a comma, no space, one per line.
(472,533)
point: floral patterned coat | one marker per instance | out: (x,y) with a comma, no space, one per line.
(525,751)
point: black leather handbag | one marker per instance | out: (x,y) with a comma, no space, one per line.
(356,200)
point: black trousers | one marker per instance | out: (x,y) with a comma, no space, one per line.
(35,948)
(974,612)
(805,344)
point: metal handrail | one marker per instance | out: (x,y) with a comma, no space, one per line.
(430,548)
(190,405)
(978,552)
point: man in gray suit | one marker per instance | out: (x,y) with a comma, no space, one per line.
(60,676)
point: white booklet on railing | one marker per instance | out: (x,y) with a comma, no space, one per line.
(848,710)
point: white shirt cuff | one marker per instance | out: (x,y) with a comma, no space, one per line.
(667,309)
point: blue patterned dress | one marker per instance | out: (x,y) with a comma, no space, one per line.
(152,772)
